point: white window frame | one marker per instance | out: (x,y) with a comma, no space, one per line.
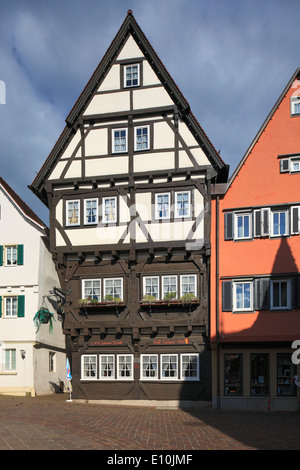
(237,215)
(68,223)
(168,214)
(177,215)
(292,161)
(158,286)
(169,362)
(10,358)
(13,249)
(136,138)
(125,75)
(14,300)
(288,284)
(114,220)
(102,365)
(195,283)
(90,357)
(148,357)
(84,287)
(295,100)
(162,285)
(52,361)
(279,211)
(234,296)
(106,279)
(130,362)
(114,150)
(188,378)
(86,222)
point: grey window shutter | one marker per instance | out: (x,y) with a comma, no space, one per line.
(295,219)
(263,294)
(265,221)
(228,216)
(284,165)
(296,292)
(227,296)
(257,223)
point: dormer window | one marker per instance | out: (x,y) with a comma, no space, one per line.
(295,106)
(132,75)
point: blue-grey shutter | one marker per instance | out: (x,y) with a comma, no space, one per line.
(228,225)
(296,292)
(295,219)
(257,223)
(227,296)
(284,165)
(262,293)
(265,221)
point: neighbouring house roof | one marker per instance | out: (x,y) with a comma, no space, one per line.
(128,27)
(22,206)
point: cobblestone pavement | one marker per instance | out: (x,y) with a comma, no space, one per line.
(53,423)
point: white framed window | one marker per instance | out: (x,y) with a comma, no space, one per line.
(109,210)
(243,225)
(10,306)
(169,367)
(189,366)
(119,140)
(188,284)
(280,294)
(113,287)
(295,165)
(279,222)
(131,75)
(11,255)
(182,204)
(162,206)
(125,367)
(91,289)
(151,286)
(52,361)
(90,211)
(169,287)
(73,213)
(107,367)
(89,366)
(142,138)
(149,367)
(9,360)
(295,105)
(242,296)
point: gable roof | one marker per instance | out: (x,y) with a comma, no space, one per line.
(295,75)
(21,205)
(128,27)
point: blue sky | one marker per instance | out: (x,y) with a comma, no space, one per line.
(231,60)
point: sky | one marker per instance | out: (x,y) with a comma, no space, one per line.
(231,59)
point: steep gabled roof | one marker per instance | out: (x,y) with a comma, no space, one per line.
(22,206)
(128,27)
(295,75)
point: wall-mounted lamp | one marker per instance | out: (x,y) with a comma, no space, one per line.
(23,353)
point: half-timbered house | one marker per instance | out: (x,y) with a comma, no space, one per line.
(128,189)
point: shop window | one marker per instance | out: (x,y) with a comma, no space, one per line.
(259,370)
(232,374)
(285,375)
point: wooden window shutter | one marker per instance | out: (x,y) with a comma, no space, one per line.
(21,305)
(265,230)
(227,296)
(228,227)
(20,254)
(284,165)
(257,223)
(294,220)
(1,255)
(262,294)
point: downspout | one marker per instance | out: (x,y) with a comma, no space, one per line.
(217,302)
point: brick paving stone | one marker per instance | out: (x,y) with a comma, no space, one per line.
(52,423)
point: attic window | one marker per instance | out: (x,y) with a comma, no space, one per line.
(132,75)
(295,106)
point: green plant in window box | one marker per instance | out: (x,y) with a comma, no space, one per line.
(170,296)
(148,299)
(111,298)
(42,316)
(188,298)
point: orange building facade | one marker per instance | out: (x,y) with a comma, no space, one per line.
(255,279)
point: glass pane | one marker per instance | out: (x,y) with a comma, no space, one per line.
(233,374)
(259,374)
(285,375)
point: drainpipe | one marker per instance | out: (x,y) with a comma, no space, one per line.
(217,302)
